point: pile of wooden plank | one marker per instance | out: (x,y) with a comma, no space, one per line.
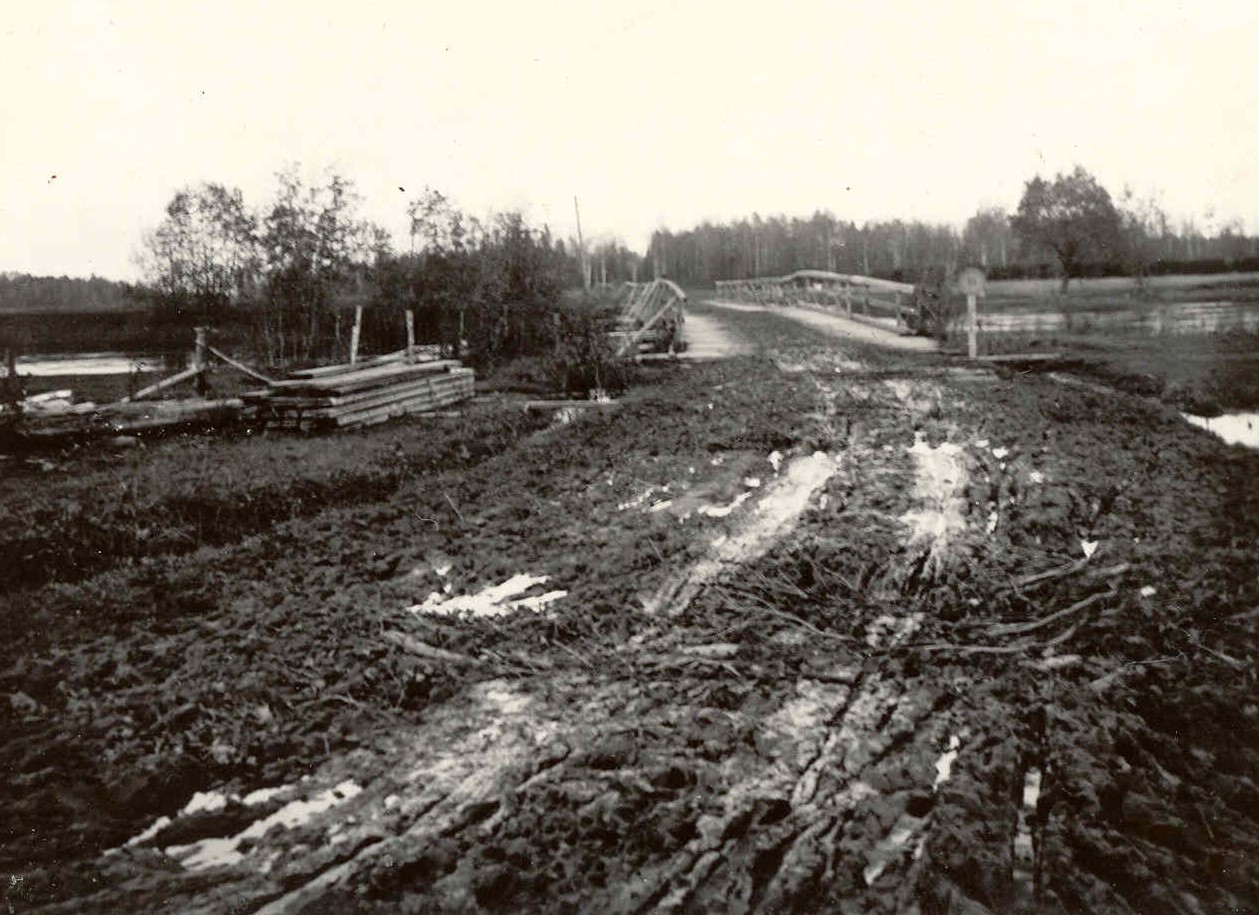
(56,418)
(340,396)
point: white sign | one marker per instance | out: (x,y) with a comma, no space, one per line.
(971,281)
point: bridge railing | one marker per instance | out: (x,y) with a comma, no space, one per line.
(856,296)
(652,315)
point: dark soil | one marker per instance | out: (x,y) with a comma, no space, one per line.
(772,743)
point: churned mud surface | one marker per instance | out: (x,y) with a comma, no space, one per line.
(821,627)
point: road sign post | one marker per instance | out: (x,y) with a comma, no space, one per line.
(972,327)
(971,282)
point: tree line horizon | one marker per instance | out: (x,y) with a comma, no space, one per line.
(211,248)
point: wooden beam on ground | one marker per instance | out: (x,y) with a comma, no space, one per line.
(163,384)
(239,366)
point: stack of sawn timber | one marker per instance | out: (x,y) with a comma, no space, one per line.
(357,395)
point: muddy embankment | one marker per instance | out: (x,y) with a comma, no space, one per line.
(814,630)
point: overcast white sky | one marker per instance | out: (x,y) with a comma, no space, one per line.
(654,112)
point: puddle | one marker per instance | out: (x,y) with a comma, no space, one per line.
(1233,428)
(496,600)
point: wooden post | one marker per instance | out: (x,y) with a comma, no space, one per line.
(581,247)
(200,362)
(972,327)
(11,392)
(354,334)
(410,333)
(847,302)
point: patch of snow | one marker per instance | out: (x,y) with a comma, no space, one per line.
(661,505)
(940,476)
(892,630)
(1024,848)
(993,518)
(1089,547)
(261,796)
(775,460)
(944,765)
(205,802)
(221,852)
(1233,428)
(496,600)
(1000,453)
(158,825)
(890,848)
(1149,591)
(780,505)
(809,709)
(1036,477)
(982,443)
(538,602)
(752,482)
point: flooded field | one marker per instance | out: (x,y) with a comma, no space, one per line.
(1175,318)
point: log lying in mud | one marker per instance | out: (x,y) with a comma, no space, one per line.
(412,645)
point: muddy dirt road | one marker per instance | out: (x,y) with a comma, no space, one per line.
(833,325)
(826,627)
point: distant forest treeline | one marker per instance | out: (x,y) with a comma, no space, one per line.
(897,249)
(24,292)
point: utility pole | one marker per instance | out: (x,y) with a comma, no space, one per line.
(581,245)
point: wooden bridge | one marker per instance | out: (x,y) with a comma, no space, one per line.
(857,296)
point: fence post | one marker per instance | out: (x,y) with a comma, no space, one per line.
(200,361)
(410,334)
(11,392)
(354,334)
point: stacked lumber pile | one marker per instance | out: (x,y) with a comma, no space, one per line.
(341,396)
